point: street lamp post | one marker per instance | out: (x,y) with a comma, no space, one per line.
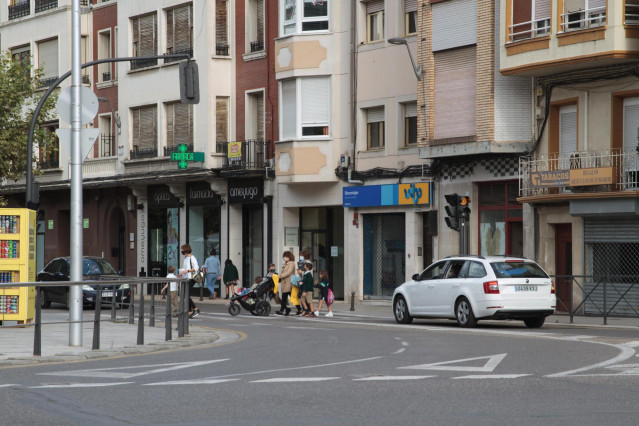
(416,68)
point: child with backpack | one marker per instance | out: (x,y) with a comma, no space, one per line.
(326,294)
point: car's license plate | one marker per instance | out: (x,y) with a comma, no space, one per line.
(107,294)
(525,288)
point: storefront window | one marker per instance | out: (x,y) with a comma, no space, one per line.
(204,220)
(500,220)
(164,237)
(384,253)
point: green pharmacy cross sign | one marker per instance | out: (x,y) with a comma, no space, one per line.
(183,157)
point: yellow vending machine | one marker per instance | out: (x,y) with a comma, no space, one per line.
(17,264)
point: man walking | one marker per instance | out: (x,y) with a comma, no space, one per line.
(212,269)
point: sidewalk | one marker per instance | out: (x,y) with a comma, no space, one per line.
(384,309)
(116,339)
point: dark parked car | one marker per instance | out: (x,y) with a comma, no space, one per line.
(93,269)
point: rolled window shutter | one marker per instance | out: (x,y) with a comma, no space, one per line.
(374,6)
(221,119)
(410,6)
(567,130)
(48,57)
(183,32)
(148,127)
(221,33)
(574,5)
(170,31)
(260,20)
(289,110)
(410,110)
(170,125)
(135,28)
(542,9)
(315,94)
(260,117)
(455,93)
(183,123)
(135,127)
(592,4)
(148,36)
(375,115)
(630,124)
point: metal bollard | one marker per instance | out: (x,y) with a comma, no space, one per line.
(113,304)
(37,338)
(152,308)
(352,300)
(202,288)
(167,320)
(180,327)
(141,321)
(186,305)
(132,306)
(96,319)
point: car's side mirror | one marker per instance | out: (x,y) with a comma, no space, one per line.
(415,277)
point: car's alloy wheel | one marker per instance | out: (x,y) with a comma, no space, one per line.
(234,309)
(44,302)
(400,310)
(464,314)
(534,322)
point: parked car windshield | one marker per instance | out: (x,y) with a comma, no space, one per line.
(97,267)
(517,270)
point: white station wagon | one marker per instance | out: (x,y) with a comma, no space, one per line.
(471,288)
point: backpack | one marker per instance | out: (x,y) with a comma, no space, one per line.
(331,297)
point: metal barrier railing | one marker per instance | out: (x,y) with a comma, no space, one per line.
(597,295)
(182,313)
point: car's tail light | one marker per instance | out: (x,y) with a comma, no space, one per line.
(491,287)
(552,287)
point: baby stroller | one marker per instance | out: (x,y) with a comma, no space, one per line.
(256,300)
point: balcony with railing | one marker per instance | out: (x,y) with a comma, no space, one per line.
(587,174)
(137,64)
(257,46)
(583,19)
(222,50)
(529,29)
(46,82)
(106,76)
(42,5)
(168,150)
(245,155)
(107,145)
(49,163)
(18,10)
(170,51)
(138,153)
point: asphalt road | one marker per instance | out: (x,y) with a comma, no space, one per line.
(350,369)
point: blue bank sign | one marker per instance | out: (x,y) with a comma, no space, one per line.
(387,195)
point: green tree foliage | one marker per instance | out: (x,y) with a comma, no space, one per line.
(19,95)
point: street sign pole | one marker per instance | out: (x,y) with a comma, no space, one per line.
(75,292)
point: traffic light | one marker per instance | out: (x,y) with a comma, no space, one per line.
(452,211)
(189,83)
(464,207)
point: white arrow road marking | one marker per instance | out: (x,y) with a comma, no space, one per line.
(295,379)
(113,373)
(79,385)
(399,351)
(191,382)
(489,366)
(492,376)
(379,378)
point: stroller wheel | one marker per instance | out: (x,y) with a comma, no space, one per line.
(263,308)
(234,309)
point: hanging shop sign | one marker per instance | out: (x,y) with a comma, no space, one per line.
(234,150)
(246,191)
(417,194)
(572,177)
(184,157)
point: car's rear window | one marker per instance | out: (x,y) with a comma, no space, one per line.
(517,270)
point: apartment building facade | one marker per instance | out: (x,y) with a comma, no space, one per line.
(579,184)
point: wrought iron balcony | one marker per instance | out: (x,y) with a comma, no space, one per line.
(579,172)
(42,5)
(168,150)
(106,76)
(137,153)
(257,46)
(46,82)
(222,49)
(176,52)
(19,10)
(245,155)
(50,164)
(107,147)
(143,63)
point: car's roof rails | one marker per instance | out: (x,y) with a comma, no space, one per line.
(466,255)
(509,255)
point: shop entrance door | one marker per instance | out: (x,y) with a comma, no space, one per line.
(315,242)
(563,265)
(253,243)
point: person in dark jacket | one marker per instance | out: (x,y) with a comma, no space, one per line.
(230,277)
(307,291)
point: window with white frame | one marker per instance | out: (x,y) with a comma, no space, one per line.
(144,38)
(567,130)
(305,110)
(375,128)
(48,59)
(410,124)
(144,124)
(179,124)
(104,52)
(299,16)
(583,14)
(374,20)
(410,17)
(529,19)
(255,25)
(179,30)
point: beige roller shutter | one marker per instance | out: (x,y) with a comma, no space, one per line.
(455,92)
(144,127)
(410,6)
(48,57)
(221,30)
(374,6)
(574,5)
(221,119)
(183,27)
